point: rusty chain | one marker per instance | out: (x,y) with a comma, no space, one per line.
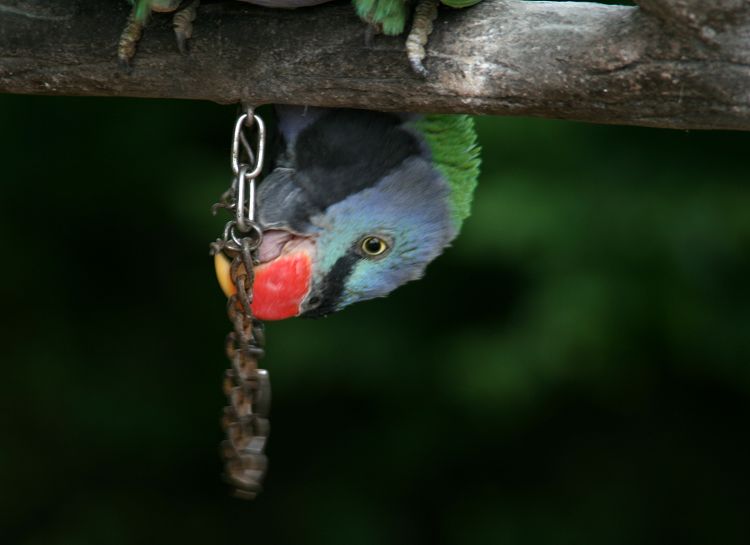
(247,387)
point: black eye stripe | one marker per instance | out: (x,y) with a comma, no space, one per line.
(333,286)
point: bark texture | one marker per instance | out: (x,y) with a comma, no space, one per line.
(667,63)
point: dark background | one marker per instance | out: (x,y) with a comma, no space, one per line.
(574,370)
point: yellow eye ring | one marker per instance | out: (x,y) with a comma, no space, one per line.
(373,246)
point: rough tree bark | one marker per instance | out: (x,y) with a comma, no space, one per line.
(669,63)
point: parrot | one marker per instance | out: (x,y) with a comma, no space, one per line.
(386,16)
(354,204)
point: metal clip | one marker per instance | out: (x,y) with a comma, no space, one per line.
(245,202)
(238,137)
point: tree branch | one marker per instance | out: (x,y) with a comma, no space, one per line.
(694,14)
(671,63)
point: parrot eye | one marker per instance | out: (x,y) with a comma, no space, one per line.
(373,246)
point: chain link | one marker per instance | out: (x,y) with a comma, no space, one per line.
(247,387)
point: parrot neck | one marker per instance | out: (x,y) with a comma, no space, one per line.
(452,140)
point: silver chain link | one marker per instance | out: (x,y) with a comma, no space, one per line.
(248,388)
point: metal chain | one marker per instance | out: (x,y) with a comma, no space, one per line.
(248,388)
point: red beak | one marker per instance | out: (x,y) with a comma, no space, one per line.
(280,284)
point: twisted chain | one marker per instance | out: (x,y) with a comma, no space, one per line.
(248,388)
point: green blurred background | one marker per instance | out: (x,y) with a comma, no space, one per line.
(574,370)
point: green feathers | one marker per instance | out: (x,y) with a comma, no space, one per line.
(390,15)
(142,10)
(460,3)
(453,142)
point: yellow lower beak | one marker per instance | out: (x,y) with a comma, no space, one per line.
(222,266)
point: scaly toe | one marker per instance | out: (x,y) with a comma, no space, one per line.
(183,24)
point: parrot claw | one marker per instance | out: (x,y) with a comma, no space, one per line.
(182,41)
(129,39)
(418,68)
(371,30)
(182,21)
(183,24)
(125,66)
(421,28)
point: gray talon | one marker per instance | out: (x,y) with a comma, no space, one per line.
(371,31)
(421,28)
(129,39)
(183,24)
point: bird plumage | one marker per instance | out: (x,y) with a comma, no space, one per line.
(346,179)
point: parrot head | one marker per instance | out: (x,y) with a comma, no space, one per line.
(358,203)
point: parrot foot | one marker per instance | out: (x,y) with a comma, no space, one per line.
(182,21)
(421,28)
(129,39)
